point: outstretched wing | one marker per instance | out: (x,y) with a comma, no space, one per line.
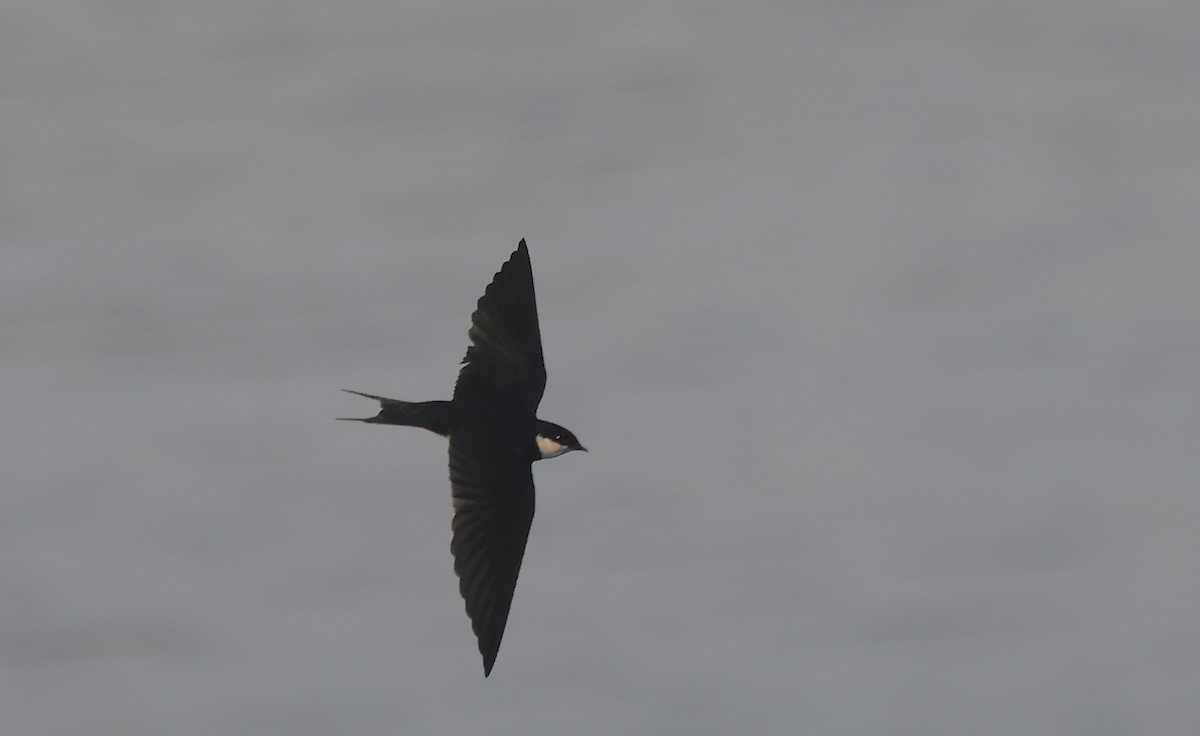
(504,369)
(492,484)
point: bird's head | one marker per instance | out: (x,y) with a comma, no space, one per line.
(553,440)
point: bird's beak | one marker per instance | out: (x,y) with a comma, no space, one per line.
(581,447)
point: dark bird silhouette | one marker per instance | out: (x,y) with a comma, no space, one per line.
(495,436)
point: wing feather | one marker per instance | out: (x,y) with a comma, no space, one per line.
(504,368)
(492,485)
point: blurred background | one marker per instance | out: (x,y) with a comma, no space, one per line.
(880,320)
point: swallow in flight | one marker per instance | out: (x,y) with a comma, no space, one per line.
(495,437)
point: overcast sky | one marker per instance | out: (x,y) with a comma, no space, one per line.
(880,320)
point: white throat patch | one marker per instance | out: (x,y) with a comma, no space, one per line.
(549,448)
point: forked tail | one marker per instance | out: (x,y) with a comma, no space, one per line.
(432,415)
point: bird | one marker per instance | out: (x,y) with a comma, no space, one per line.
(495,437)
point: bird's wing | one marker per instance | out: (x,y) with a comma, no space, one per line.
(492,484)
(504,368)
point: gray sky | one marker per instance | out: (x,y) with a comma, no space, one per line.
(879,319)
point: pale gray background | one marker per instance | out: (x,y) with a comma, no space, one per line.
(880,319)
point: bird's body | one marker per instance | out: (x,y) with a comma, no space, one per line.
(495,437)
